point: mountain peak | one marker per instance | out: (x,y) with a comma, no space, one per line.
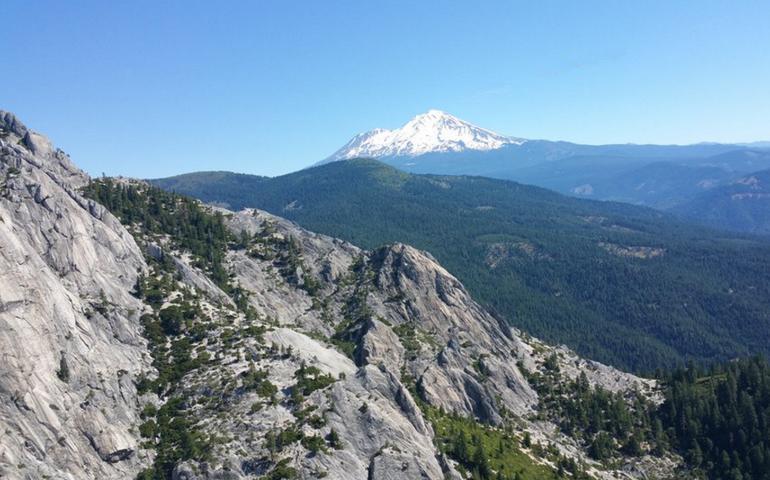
(434,114)
(432,131)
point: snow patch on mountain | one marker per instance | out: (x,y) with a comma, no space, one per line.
(433,131)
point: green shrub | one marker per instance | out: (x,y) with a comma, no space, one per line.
(314,444)
(310,379)
(282,471)
(171,320)
(63,373)
(148,429)
(334,440)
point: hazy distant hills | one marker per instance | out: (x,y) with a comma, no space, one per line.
(742,205)
(661,184)
(624,284)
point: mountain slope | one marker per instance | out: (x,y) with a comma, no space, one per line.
(69,329)
(435,141)
(268,351)
(346,363)
(743,205)
(180,341)
(621,284)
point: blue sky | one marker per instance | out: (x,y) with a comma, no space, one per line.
(151,89)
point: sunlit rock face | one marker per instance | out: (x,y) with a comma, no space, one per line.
(69,330)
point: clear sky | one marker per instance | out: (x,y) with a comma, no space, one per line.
(153,88)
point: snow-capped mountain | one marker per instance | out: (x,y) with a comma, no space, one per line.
(433,131)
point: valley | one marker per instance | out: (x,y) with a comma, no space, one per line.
(621,284)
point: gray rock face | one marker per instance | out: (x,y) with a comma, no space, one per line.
(421,321)
(378,326)
(69,335)
(456,333)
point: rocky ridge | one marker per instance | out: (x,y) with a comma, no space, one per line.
(329,368)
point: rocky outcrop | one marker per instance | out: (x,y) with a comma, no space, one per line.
(466,362)
(69,335)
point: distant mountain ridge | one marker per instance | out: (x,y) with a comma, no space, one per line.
(659,176)
(742,205)
(436,132)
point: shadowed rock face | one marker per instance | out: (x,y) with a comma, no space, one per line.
(71,345)
(460,332)
(69,335)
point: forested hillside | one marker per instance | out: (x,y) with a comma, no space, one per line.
(621,284)
(743,205)
(718,418)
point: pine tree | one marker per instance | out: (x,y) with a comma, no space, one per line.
(480,462)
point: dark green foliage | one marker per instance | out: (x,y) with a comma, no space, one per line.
(632,447)
(601,447)
(103,305)
(282,471)
(302,415)
(535,258)
(170,429)
(172,363)
(156,212)
(171,319)
(314,443)
(355,310)
(552,363)
(719,419)
(149,411)
(286,255)
(310,284)
(256,381)
(148,429)
(277,442)
(310,379)
(176,332)
(482,450)
(334,440)
(408,337)
(607,423)
(63,373)
(176,439)
(317,421)
(171,432)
